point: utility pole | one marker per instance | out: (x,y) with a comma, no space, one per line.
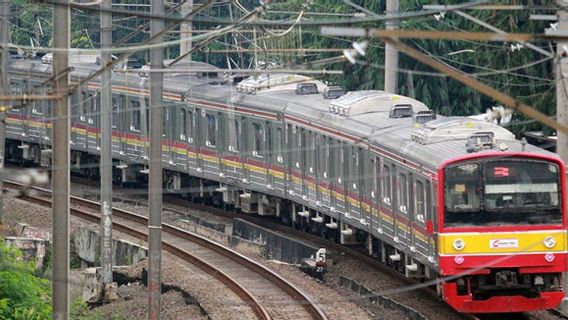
(391,53)
(109,288)
(4,86)
(155,174)
(60,161)
(185,31)
(562,105)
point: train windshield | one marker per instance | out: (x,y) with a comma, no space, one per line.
(502,192)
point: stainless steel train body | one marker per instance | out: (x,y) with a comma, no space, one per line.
(364,167)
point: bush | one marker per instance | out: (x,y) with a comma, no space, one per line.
(23,295)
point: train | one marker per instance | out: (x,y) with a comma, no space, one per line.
(454,201)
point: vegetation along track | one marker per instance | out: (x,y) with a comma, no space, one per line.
(270,296)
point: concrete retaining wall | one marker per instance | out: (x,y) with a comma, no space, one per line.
(274,246)
(32,249)
(87,246)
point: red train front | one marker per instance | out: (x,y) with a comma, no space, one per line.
(502,232)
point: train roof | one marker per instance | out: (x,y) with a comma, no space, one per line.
(387,121)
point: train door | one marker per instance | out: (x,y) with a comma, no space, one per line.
(276,168)
(233,155)
(375,222)
(366,182)
(338,183)
(134,144)
(180,139)
(208,149)
(402,208)
(421,201)
(386,212)
(431,215)
(256,161)
(352,182)
(323,174)
(117,124)
(303,151)
(192,137)
(294,145)
(93,116)
(167,134)
(145,129)
(37,119)
(310,168)
(14,118)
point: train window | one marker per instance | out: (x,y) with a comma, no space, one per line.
(403,192)
(340,170)
(211,130)
(16,88)
(115,111)
(84,106)
(365,175)
(279,145)
(299,145)
(419,204)
(182,124)
(258,141)
(270,141)
(234,135)
(503,191)
(386,184)
(95,102)
(190,125)
(462,184)
(321,147)
(165,121)
(135,121)
(353,173)
(146,116)
(38,106)
(74,106)
(311,152)
(375,176)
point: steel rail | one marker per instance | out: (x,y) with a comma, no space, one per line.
(297,295)
(258,309)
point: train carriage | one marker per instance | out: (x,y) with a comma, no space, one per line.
(448,198)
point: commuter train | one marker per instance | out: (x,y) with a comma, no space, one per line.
(452,199)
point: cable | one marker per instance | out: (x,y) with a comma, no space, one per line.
(322,22)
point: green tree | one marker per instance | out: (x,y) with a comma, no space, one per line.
(23,295)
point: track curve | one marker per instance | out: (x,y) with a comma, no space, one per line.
(266,294)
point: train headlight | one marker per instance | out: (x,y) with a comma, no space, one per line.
(459,244)
(549,242)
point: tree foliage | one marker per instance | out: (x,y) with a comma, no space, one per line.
(23,296)
(494,63)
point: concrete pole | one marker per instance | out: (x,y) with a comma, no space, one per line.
(155,174)
(4,86)
(106,155)
(562,86)
(391,54)
(60,162)
(186,44)
(562,108)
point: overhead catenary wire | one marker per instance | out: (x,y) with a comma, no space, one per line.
(266,23)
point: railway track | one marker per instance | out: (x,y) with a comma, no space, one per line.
(330,245)
(268,295)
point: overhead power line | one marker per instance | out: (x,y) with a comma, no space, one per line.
(439,35)
(479,86)
(268,23)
